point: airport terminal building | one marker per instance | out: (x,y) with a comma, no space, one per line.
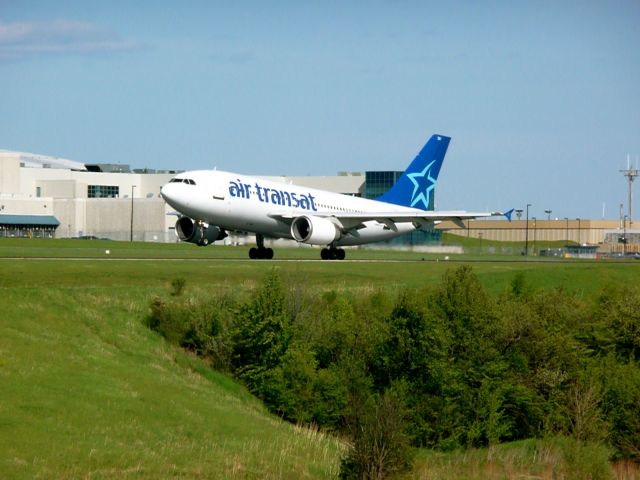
(44,196)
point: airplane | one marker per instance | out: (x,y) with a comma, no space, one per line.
(212,202)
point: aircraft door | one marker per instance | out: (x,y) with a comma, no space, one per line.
(221,194)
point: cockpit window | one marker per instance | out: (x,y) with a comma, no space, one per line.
(188,181)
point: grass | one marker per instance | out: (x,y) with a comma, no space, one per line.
(64,248)
(89,391)
(86,390)
(584,278)
(542,459)
(156,265)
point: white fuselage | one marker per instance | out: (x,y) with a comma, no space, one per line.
(252,204)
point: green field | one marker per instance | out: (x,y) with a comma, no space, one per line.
(73,263)
(87,391)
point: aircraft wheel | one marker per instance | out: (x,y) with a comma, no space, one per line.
(324,254)
(268,253)
(340,254)
(253,253)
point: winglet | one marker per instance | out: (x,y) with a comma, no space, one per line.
(508,214)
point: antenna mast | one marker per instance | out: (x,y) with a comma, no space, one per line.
(631,174)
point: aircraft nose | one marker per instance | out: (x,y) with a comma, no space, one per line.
(175,195)
(168,192)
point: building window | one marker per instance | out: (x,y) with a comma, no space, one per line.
(103,191)
(38,192)
(377,183)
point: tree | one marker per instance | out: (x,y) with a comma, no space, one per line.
(379,446)
(261,336)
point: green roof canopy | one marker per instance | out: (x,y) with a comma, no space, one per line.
(28,221)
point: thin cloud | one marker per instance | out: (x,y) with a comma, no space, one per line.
(20,40)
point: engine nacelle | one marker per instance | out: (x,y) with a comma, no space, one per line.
(314,230)
(198,233)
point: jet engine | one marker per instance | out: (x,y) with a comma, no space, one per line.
(314,230)
(198,232)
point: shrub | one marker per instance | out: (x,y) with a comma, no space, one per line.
(585,461)
(261,335)
(177,286)
(195,325)
(379,446)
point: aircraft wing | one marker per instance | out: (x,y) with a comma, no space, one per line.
(426,218)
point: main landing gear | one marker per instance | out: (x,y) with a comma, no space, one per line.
(260,252)
(332,253)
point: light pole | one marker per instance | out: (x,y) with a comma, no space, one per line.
(131,229)
(631,175)
(548,212)
(579,242)
(534,234)
(566,233)
(526,233)
(624,235)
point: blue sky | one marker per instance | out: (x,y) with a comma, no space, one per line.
(541,99)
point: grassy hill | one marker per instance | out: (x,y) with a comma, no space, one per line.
(88,391)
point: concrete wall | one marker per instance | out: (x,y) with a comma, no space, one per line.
(17,205)
(151,183)
(60,188)
(582,231)
(111,218)
(108,215)
(9,173)
(58,181)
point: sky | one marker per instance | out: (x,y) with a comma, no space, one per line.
(541,99)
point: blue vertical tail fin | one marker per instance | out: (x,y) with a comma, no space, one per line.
(508,214)
(415,188)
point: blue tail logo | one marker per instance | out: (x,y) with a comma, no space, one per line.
(416,186)
(508,214)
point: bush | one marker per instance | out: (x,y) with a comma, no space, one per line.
(195,325)
(379,446)
(619,310)
(472,369)
(585,461)
(177,286)
(261,335)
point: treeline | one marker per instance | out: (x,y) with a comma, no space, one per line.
(442,367)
